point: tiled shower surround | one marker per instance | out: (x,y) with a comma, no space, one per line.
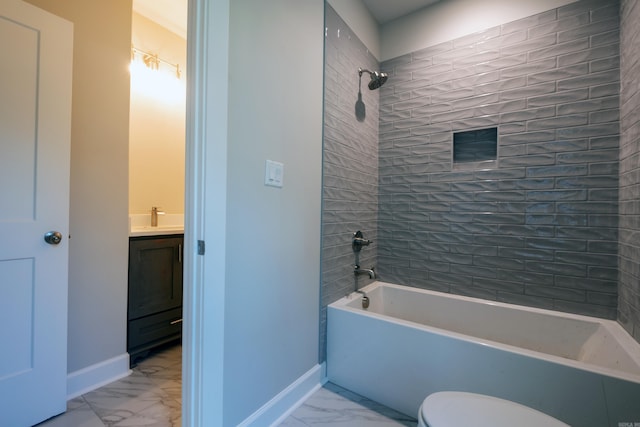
(538,228)
(629,298)
(350,164)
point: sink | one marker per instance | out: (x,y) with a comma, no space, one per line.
(140,225)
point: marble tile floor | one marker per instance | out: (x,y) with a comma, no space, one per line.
(335,406)
(151,397)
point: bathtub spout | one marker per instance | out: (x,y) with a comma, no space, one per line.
(370,271)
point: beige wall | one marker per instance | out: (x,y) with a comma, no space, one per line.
(157,126)
(99,178)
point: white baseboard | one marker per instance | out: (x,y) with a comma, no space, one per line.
(288,400)
(95,376)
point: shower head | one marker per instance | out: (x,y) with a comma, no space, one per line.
(377,78)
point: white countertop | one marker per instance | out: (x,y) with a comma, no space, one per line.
(140,225)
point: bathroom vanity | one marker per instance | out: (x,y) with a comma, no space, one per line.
(155,292)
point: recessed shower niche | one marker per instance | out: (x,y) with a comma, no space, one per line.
(475,146)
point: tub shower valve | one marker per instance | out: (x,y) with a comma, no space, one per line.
(359,241)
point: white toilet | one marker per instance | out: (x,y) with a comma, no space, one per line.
(452,408)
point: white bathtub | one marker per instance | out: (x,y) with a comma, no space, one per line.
(411,342)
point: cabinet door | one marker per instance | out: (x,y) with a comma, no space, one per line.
(155,275)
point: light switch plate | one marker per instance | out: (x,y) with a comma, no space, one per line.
(273,173)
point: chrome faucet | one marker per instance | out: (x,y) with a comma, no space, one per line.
(370,271)
(154,216)
(357,242)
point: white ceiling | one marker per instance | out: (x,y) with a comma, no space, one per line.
(385,10)
(172,14)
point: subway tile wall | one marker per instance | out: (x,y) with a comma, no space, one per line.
(539,228)
(629,289)
(350,164)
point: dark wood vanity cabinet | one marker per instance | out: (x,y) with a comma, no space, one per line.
(155,292)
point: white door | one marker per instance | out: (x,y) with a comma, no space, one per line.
(35,118)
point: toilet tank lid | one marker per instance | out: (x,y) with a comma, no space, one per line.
(453,408)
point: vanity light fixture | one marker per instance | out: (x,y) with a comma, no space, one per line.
(152,60)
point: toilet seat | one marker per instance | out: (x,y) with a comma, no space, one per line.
(448,408)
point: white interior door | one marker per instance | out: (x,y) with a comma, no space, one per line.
(35,117)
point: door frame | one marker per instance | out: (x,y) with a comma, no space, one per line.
(205,181)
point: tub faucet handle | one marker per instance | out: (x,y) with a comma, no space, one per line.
(359,241)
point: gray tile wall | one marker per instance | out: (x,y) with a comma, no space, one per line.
(350,167)
(540,227)
(629,249)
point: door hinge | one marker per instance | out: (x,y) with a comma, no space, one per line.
(200,247)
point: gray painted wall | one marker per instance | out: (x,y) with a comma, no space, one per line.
(360,22)
(540,229)
(629,297)
(452,19)
(350,163)
(273,234)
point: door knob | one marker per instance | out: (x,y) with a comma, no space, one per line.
(53,237)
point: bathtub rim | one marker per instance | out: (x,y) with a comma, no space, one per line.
(613,327)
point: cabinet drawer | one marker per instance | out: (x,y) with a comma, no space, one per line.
(149,331)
